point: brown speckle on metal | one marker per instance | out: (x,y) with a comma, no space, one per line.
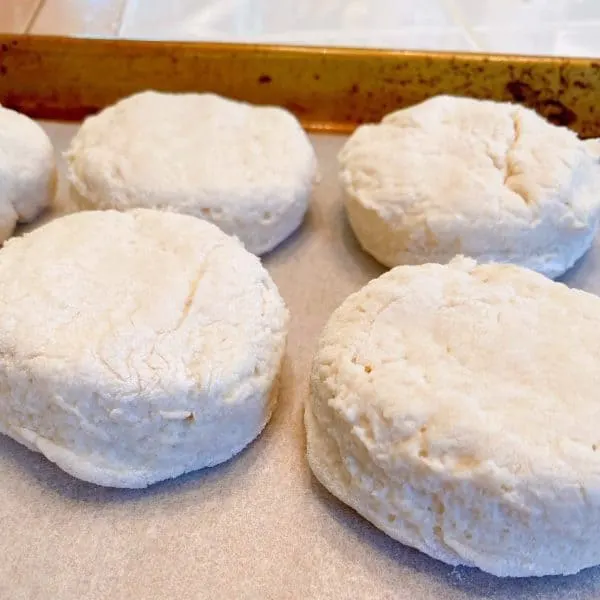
(557,113)
(327,88)
(296,108)
(518,90)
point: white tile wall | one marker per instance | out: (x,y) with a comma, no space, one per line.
(414,38)
(564,27)
(511,12)
(579,39)
(17,15)
(254,19)
(516,39)
(79,17)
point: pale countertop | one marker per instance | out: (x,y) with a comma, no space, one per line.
(548,27)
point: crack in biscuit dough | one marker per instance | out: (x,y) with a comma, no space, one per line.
(456,408)
(27,171)
(492,181)
(136,346)
(247,169)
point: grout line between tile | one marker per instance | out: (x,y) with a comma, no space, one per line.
(34,15)
(121,18)
(124,13)
(459,21)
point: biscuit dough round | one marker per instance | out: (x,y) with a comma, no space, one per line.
(492,181)
(136,346)
(456,407)
(27,171)
(247,169)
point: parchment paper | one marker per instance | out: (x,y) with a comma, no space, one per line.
(258,527)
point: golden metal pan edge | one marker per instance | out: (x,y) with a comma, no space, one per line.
(329,89)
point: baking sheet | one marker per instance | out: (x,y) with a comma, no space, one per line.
(333,89)
(258,527)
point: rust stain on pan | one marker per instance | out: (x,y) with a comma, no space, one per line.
(329,89)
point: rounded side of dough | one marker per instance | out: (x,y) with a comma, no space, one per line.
(27,171)
(136,346)
(456,408)
(247,169)
(456,176)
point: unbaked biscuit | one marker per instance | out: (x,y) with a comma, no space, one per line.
(27,171)
(136,346)
(247,169)
(492,181)
(456,407)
